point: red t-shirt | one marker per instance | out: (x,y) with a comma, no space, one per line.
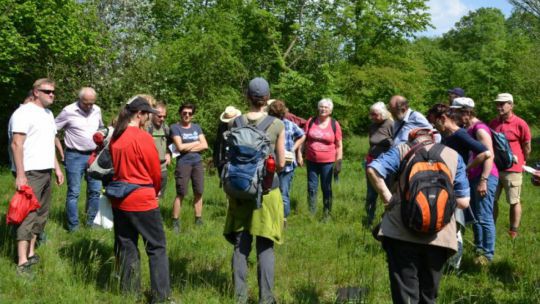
(321,143)
(517,132)
(136,160)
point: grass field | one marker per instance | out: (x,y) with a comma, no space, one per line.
(315,260)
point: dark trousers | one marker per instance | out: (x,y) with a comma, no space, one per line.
(265,267)
(415,270)
(127,227)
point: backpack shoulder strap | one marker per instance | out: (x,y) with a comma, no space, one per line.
(333,123)
(239,121)
(311,121)
(265,123)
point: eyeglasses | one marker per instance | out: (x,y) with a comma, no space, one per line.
(187,113)
(48,92)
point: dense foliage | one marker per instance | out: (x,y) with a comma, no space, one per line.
(205,52)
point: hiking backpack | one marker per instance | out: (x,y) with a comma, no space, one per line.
(504,158)
(101,167)
(427,190)
(248,149)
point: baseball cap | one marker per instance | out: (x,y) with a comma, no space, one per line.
(458,91)
(140,104)
(258,87)
(505,97)
(462,102)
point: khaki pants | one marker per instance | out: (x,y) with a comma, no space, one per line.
(511,182)
(34,223)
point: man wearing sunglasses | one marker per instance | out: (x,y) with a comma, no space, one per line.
(160,132)
(33,133)
(189,140)
(80,120)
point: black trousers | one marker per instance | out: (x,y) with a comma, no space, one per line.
(415,270)
(127,227)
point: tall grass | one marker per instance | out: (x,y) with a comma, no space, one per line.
(315,260)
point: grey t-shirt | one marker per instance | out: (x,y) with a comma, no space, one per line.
(188,135)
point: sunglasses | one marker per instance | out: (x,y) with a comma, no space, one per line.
(187,113)
(162,116)
(48,92)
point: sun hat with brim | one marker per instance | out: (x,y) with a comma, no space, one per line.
(462,103)
(229,113)
(505,97)
(140,104)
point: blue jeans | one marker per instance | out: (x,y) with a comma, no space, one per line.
(371,198)
(482,208)
(76,164)
(324,170)
(285,181)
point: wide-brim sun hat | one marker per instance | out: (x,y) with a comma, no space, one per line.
(230,113)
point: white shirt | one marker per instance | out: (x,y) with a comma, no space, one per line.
(38,125)
(79,126)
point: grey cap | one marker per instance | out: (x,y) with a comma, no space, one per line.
(258,87)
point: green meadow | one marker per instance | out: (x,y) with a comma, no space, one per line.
(315,260)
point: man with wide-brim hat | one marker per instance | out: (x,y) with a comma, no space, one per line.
(219,155)
(230,113)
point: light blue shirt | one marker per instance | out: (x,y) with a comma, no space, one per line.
(388,164)
(412,120)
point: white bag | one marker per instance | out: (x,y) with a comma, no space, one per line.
(104,216)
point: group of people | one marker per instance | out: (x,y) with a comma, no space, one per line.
(142,146)
(416,261)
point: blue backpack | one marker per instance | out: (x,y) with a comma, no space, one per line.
(248,147)
(504,158)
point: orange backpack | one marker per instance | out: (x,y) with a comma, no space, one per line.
(427,189)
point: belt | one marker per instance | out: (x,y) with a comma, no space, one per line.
(80,152)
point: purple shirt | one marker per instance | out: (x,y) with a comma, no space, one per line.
(79,126)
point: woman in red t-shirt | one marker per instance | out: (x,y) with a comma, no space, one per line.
(324,152)
(136,161)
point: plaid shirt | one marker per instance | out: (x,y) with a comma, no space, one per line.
(292,133)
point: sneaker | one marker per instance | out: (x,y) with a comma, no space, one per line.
(513,234)
(199,221)
(33,259)
(24,270)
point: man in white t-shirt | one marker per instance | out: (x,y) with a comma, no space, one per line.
(33,132)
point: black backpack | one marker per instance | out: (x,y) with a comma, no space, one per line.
(427,189)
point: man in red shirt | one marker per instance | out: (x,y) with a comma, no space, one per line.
(518,134)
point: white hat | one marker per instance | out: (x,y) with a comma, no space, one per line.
(229,113)
(505,97)
(462,102)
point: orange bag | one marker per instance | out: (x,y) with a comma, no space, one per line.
(23,202)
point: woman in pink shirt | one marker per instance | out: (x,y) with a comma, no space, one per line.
(324,152)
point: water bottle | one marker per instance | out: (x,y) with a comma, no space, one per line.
(269,176)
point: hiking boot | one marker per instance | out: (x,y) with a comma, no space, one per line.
(481,260)
(25,270)
(176,226)
(326,217)
(199,221)
(33,259)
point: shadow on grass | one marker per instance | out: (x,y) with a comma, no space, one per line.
(92,261)
(7,237)
(306,294)
(200,278)
(504,271)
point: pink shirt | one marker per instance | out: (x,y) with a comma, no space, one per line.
(321,143)
(475,172)
(517,132)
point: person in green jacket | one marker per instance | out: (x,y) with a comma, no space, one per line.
(244,221)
